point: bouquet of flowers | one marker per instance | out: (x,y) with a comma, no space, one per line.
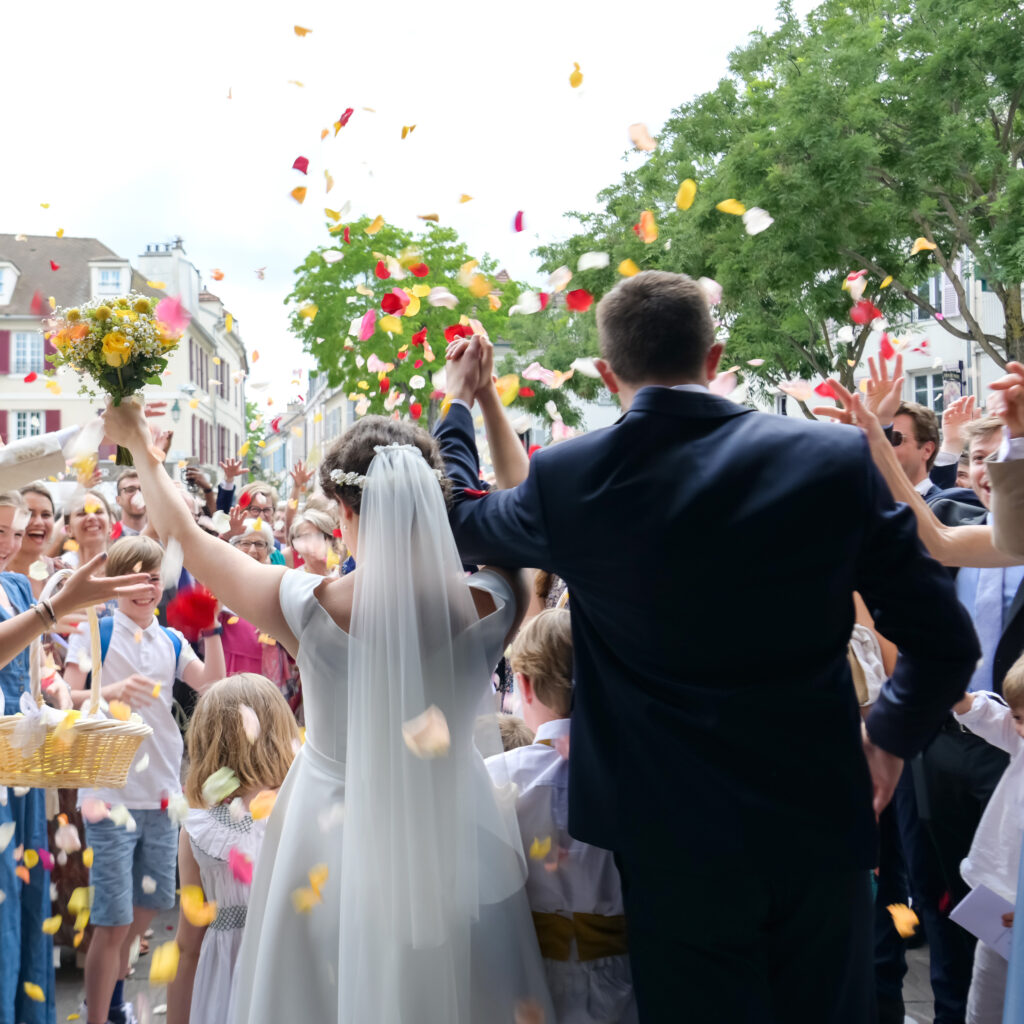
(120,344)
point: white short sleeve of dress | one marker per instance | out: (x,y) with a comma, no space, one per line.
(298,600)
(495,627)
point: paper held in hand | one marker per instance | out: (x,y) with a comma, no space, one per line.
(981,913)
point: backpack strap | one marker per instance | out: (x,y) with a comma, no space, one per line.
(106,625)
(175,639)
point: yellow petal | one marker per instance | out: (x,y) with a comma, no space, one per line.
(318,417)
(156,688)
(309,311)
(232,620)
(262,804)
(414,305)
(119,710)
(376,224)
(163,967)
(508,388)
(327,175)
(158,285)
(60,232)
(479,286)
(52,924)
(243,450)
(229,323)
(318,877)
(390,323)
(886,282)
(300,31)
(304,900)
(465,198)
(34,992)
(421,291)
(540,848)
(298,194)
(333,214)
(31,859)
(427,734)
(86,860)
(76,942)
(648,228)
(81,898)
(576,78)
(686,194)
(197,912)
(627,268)
(429,216)
(733,206)
(920,244)
(408,129)
(903,918)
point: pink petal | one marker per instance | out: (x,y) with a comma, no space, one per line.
(368,326)
(170,312)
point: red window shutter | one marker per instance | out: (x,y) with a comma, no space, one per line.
(3,426)
(5,351)
(52,420)
(194,452)
(107,451)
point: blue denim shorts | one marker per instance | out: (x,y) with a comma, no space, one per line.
(122,859)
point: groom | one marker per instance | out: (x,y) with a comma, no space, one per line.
(711,555)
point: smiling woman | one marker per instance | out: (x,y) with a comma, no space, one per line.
(31,559)
(88,526)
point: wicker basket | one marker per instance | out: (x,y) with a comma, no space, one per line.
(92,752)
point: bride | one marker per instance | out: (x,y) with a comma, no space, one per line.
(390,883)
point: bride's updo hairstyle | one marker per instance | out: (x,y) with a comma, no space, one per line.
(354,450)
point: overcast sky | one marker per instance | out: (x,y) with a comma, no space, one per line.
(119,117)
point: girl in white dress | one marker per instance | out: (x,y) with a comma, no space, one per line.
(242,723)
(390,886)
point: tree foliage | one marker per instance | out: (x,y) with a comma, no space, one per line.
(392,372)
(870,124)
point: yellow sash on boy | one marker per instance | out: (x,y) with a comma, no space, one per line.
(596,935)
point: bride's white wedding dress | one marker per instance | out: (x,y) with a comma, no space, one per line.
(427,921)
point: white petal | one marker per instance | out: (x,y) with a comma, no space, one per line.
(593,261)
(331,255)
(250,723)
(757,220)
(584,365)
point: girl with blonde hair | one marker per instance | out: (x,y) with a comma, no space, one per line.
(243,724)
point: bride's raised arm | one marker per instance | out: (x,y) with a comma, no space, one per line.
(950,545)
(246,586)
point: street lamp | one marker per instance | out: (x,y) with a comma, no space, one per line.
(176,411)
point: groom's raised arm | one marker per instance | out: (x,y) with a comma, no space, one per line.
(496,527)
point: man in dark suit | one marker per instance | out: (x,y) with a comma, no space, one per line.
(711,554)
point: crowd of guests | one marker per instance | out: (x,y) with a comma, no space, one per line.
(235,695)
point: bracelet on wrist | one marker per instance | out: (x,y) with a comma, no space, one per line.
(216,631)
(41,612)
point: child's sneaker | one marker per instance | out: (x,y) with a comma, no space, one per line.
(124,1015)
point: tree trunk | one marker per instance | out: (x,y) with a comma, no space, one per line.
(1014,323)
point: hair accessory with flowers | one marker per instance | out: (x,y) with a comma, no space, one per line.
(117,344)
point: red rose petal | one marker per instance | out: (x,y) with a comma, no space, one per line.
(579,299)
(401,355)
(825,390)
(472,492)
(420,336)
(527,393)
(347,235)
(390,303)
(192,610)
(864,312)
(544,300)
(457,331)
(275,424)
(381,270)
(416,410)
(301,164)
(337,531)
(244,501)
(31,377)
(384,384)
(54,266)
(417,364)
(435,394)
(343,120)
(518,222)
(419,270)
(39,304)
(885,349)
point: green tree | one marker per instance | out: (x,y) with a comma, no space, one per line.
(330,299)
(872,123)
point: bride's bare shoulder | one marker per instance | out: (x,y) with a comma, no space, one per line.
(335,595)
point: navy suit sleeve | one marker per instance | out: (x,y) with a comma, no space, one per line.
(501,527)
(913,602)
(225,498)
(944,476)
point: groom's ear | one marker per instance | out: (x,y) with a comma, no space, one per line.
(714,358)
(607,375)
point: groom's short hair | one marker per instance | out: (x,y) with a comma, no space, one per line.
(655,326)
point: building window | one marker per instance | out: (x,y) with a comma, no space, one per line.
(5,280)
(28,352)
(28,423)
(110,282)
(928,390)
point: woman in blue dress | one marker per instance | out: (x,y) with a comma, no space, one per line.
(26,953)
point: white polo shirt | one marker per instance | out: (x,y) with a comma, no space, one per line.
(151,655)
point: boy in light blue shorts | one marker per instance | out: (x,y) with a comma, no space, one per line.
(135,854)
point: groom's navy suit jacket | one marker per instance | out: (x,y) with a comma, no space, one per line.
(711,553)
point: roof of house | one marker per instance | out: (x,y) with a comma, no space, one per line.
(68,285)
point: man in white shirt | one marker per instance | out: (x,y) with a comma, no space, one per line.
(574,889)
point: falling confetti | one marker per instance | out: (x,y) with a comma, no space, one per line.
(579,300)
(240,866)
(300,31)
(163,967)
(221,784)
(262,804)
(298,194)
(686,194)
(465,198)
(733,206)
(641,137)
(904,919)
(540,848)
(627,268)
(517,222)
(427,734)
(197,911)
(886,282)
(34,992)
(576,78)
(301,164)
(920,245)
(756,220)
(647,229)
(407,130)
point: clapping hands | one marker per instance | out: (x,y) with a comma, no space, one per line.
(469,367)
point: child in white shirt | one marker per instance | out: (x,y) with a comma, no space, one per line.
(574,889)
(994,857)
(134,859)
